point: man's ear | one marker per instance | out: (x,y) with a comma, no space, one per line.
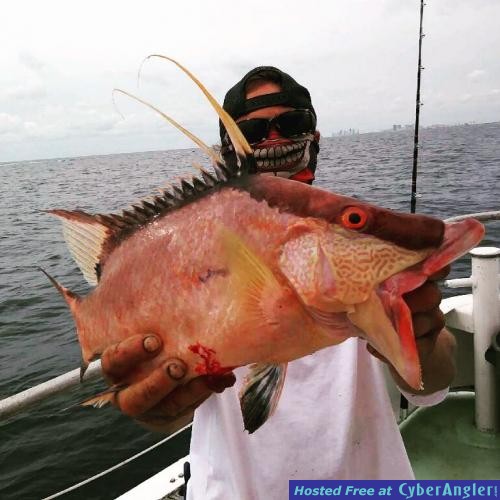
(317,135)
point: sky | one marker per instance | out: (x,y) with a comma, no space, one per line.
(61,60)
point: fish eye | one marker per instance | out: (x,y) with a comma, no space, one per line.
(354,218)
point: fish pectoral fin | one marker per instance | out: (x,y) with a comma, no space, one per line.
(260,393)
(397,346)
(252,278)
(103,398)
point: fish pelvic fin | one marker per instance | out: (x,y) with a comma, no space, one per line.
(70,297)
(260,394)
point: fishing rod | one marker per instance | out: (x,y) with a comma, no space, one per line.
(403,402)
(417,115)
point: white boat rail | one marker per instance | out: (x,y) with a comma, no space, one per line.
(24,399)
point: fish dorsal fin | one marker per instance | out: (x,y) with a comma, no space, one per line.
(91,238)
(260,394)
(209,152)
(242,148)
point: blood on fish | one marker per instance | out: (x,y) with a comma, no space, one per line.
(209,364)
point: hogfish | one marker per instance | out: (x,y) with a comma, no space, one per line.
(233,268)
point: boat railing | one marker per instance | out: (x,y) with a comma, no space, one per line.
(29,397)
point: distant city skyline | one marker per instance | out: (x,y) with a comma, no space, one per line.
(60,62)
(187,148)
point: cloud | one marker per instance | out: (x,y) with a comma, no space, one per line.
(31,62)
(10,124)
(357,59)
(89,121)
(476,74)
(32,90)
(57,122)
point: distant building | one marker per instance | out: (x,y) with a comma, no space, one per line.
(348,131)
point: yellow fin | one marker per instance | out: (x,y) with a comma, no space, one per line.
(206,149)
(253,278)
(104,398)
(240,144)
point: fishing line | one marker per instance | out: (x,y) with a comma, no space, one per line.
(117,466)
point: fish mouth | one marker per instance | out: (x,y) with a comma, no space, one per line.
(399,346)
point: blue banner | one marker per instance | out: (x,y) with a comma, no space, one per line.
(404,490)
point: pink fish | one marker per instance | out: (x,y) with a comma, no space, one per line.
(233,269)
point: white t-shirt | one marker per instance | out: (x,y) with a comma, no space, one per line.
(334,420)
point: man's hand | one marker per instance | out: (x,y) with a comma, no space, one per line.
(435,345)
(160,401)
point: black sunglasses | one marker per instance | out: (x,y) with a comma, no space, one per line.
(289,124)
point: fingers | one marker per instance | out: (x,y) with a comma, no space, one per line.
(221,382)
(141,396)
(441,274)
(184,397)
(424,298)
(118,359)
(426,344)
(428,323)
(191,395)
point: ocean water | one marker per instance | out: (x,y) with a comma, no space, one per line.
(48,448)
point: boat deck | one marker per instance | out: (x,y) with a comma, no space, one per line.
(443,443)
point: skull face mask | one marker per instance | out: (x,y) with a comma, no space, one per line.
(283,158)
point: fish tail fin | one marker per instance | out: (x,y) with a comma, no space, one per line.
(71,298)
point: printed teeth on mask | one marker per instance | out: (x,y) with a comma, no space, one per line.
(276,162)
(278,151)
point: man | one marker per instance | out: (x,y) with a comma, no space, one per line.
(334,419)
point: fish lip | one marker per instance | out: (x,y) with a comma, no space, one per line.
(458,238)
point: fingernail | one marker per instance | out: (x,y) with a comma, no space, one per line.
(151,343)
(176,370)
